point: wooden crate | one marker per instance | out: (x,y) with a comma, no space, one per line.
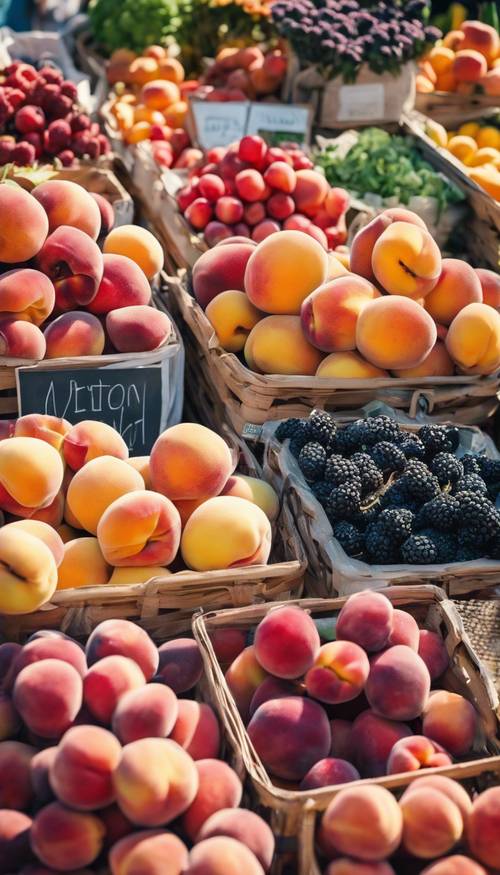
(288,806)
(451,110)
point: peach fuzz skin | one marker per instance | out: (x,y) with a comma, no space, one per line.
(140,528)
(330,313)
(406,260)
(395,332)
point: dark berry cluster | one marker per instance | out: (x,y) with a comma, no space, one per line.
(399,497)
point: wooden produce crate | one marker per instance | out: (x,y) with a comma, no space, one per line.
(169,602)
(290,809)
(451,110)
(243,396)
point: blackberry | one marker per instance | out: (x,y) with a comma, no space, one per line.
(440,513)
(490,468)
(312,459)
(397,496)
(379,546)
(341,444)
(419,482)
(363,518)
(371,477)
(322,427)
(356,433)
(339,470)
(287,429)
(439,439)
(397,523)
(412,447)
(300,438)
(471,464)
(447,468)
(321,490)
(388,457)
(471,483)
(446,545)
(343,502)
(349,538)
(419,550)
(381,428)
(479,519)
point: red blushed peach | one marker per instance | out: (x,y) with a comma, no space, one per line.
(414,753)
(432,650)
(481,38)
(66,839)
(90,439)
(339,673)
(45,532)
(482,828)
(281,177)
(372,739)
(290,735)
(27,295)
(190,461)
(24,235)
(149,852)
(40,771)
(107,681)
(276,345)
(366,619)
(82,770)
(394,332)
(15,848)
(341,739)
(287,642)
(473,339)
(469,66)
(44,427)
(457,286)
(222,855)
(220,269)
(107,212)
(399,684)
(330,313)
(180,664)
(310,192)
(197,730)
(155,781)
(345,821)
(404,630)
(490,284)
(74,263)
(365,239)
(348,866)
(328,773)
(123,284)
(141,528)
(74,334)
(138,329)
(147,712)
(455,865)
(406,260)
(218,787)
(450,720)
(159,94)
(67,203)
(283,270)
(123,638)
(432,823)
(16,790)
(274,688)
(227,644)
(437,364)
(48,696)
(9,720)
(21,340)
(243,677)
(49,648)
(250,185)
(245,827)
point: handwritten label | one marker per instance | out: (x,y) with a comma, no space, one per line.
(279,119)
(219,124)
(358,102)
(128,399)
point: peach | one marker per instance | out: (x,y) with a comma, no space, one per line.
(449,788)
(414,753)
(159,94)
(256,490)
(245,827)
(138,329)
(123,638)
(453,39)
(149,852)
(490,284)
(139,131)
(136,243)
(341,739)
(45,533)
(232,317)
(141,574)
(287,642)
(432,649)
(9,721)
(211,187)
(40,770)
(339,673)
(247,538)
(27,295)
(107,681)
(66,839)
(141,464)
(372,739)
(28,574)
(457,286)
(221,269)
(196,730)
(43,426)
(490,83)
(274,688)
(200,213)
(176,114)
(283,270)
(404,630)
(15,848)
(49,648)
(180,665)
(53,514)
(432,823)
(482,827)
(74,263)
(395,332)
(48,696)
(218,787)
(330,313)
(481,38)
(74,334)
(290,735)
(227,644)
(82,770)
(67,203)
(455,865)
(469,66)
(366,619)
(328,773)
(243,678)
(155,781)
(107,212)
(406,261)
(221,855)
(310,192)
(274,334)
(436,364)
(473,339)
(399,684)
(343,825)
(140,528)
(123,284)
(24,234)
(348,365)
(21,340)
(281,177)
(250,185)
(190,461)
(366,238)
(90,439)
(95,486)
(143,69)
(347,866)
(450,720)
(83,564)
(16,790)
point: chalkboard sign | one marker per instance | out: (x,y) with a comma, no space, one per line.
(128,399)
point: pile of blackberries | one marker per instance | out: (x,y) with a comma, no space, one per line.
(394,496)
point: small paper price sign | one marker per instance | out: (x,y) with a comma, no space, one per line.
(276,122)
(219,124)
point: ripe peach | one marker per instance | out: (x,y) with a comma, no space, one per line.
(218,788)
(286,642)
(155,781)
(31,474)
(74,263)
(330,313)
(90,439)
(27,295)
(28,575)
(74,334)
(83,564)
(123,638)
(82,770)
(339,673)
(45,533)
(180,665)
(107,212)
(123,284)
(482,827)
(365,240)
(136,243)
(15,848)
(490,83)
(140,528)
(221,269)
(437,364)
(221,855)
(328,773)
(414,753)
(48,696)
(16,790)
(256,490)
(432,823)
(243,678)
(265,345)
(449,788)
(372,739)
(280,206)
(40,770)
(457,286)
(227,644)
(107,681)
(199,214)
(406,260)
(274,688)
(247,538)
(141,574)
(250,185)
(43,426)
(366,619)
(348,365)
(21,340)
(245,827)
(490,284)
(283,270)
(66,839)
(233,317)
(450,720)
(138,329)
(290,735)
(455,865)
(395,332)
(404,630)
(95,486)
(196,730)
(28,226)
(281,177)
(473,339)
(310,191)
(343,825)
(481,38)
(432,650)
(159,94)
(229,210)
(399,684)
(149,852)
(469,66)
(49,648)
(190,461)
(67,203)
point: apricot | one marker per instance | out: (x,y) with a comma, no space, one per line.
(107,681)
(16,790)
(414,753)
(243,678)
(286,642)
(245,827)
(15,848)
(366,238)
(283,270)
(74,263)
(473,339)
(149,852)
(276,345)
(190,461)
(27,295)
(123,284)
(481,38)
(399,684)
(339,673)
(95,486)
(328,773)
(82,770)
(155,781)
(432,650)
(196,730)
(221,269)
(432,823)
(366,619)
(44,532)
(437,364)
(24,234)
(247,539)
(462,147)
(372,739)
(455,865)
(28,571)
(70,204)
(40,770)
(330,313)
(395,332)
(469,66)
(457,286)
(74,334)
(66,839)
(48,696)
(141,574)
(456,730)
(49,648)
(180,664)
(344,823)
(136,243)
(348,365)
(290,735)
(138,329)
(490,285)
(123,638)
(83,564)
(159,94)
(218,788)
(404,630)
(406,261)
(221,855)
(139,131)
(90,439)
(232,317)
(140,528)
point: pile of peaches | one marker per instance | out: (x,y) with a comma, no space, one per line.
(253,190)
(467,62)
(243,74)
(77,511)
(402,310)
(107,761)
(63,295)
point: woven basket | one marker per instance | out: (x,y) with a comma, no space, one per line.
(289,807)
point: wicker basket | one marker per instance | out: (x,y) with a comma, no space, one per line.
(170,602)
(466,676)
